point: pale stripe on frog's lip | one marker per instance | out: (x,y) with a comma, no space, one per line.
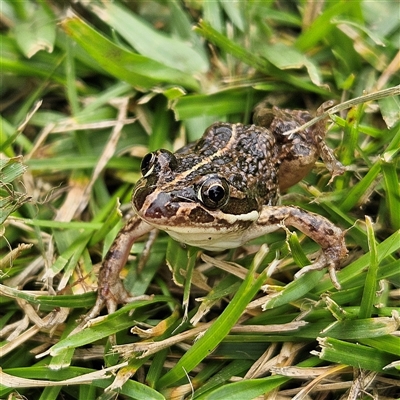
(169,208)
(217,219)
(223,231)
(162,209)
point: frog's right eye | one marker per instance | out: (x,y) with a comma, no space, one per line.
(147,164)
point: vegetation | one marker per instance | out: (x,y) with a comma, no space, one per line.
(87,89)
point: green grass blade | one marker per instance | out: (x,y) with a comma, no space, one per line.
(391,179)
(249,389)
(67,301)
(108,326)
(294,290)
(389,344)
(341,352)
(369,294)
(253,60)
(361,328)
(356,192)
(167,50)
(235,368)
(37,32)
(321,26)
(141,72)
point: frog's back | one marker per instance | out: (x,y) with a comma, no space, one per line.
(244,155)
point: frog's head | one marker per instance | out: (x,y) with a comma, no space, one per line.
(201,195)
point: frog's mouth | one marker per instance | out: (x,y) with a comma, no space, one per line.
(190,223)
(172,211)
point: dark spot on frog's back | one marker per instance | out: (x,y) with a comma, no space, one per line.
(214,139)
(223,131)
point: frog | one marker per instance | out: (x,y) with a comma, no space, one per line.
(224,190)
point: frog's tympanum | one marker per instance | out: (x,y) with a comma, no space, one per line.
(223,190)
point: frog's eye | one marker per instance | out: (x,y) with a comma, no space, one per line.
(160,159)
(147,164)
(214,192)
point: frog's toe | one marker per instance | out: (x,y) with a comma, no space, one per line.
(113,295)
(124,298)
(324,260)
(333,276)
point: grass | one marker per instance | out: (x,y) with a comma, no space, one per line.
(116,80)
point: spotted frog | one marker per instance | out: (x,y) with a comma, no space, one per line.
(223,190)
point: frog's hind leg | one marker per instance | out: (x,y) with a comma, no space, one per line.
(318,228)
(299,146)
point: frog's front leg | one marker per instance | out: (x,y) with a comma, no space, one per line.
(318,228)
(111,291)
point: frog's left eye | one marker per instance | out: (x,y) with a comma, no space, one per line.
(161,159)
(214,192)
(147,164)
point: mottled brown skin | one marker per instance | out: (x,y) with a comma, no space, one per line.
(224,190)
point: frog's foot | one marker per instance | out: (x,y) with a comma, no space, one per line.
(110,296)
(111,291)
(330,261)
(318,228)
